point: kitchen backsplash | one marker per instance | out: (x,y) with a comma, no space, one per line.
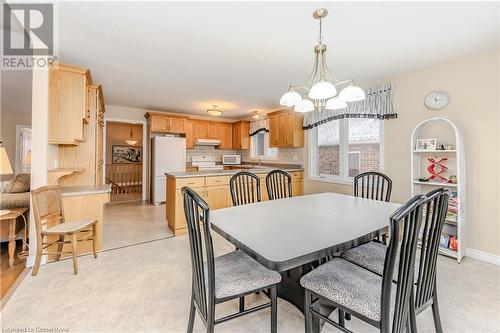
(285,155)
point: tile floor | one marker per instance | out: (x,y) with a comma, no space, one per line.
(132,223)
(146,288)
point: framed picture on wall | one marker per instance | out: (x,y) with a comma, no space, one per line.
(426,144)
(126,154)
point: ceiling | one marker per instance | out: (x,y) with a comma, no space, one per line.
(185,56)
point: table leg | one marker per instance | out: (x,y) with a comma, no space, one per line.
(12,241)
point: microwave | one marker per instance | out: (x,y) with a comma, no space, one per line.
(231,159)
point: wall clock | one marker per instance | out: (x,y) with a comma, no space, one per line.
(437,100)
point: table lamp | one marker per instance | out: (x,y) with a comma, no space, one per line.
(5,169)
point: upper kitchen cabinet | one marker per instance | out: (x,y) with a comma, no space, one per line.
(200,129)
(226,136)
(213,130)
(189,134)
(241,135)
(68,103)
(164,123)
(285,129)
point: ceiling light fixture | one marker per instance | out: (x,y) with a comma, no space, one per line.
(214,111)
(130,141)
(321,94)
(255,115)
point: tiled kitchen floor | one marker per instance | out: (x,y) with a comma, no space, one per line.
(146,288)
(132,223)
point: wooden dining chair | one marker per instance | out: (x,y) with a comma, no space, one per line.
(373,185)
(371,255)
(50,224)
(279,184)
(245,188)
(375,299)
(220,279)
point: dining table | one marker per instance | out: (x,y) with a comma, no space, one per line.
(294,235)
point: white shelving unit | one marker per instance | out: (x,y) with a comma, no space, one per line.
(446,132)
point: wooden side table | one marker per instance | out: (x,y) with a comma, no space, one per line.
(9,227)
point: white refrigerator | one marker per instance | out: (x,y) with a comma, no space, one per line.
(168,155)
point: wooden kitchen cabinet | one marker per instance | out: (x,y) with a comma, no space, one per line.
(200,129)
(285,129)
(68,103)
(164,123)
(189,134)
(213,130)
(241,135)
(218,197)
(226,136)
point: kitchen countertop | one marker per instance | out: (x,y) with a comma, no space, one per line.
(85,190)
(253,169)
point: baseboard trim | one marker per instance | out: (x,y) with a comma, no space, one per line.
(483,256)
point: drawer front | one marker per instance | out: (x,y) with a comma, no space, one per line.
(218,180)
(191,182)
(297,174)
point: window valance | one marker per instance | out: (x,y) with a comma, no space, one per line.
(260,125)
(378,104)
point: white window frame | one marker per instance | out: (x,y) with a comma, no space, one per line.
(343,177)
(267,149)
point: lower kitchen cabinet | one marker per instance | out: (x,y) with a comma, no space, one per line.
(215,191)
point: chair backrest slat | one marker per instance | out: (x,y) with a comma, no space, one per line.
(197,212)
(279,184)
(373,185)
(434,218)
(404,229)
(245,188)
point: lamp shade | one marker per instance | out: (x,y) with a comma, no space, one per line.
(335,103)
(322,90)
(5,167)
(352,94)
(304,106)
(290,98)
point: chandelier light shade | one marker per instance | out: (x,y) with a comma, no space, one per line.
(290,98)
(318,89)
(255,115)
(322,90)
(214,111)
(305,105)
(335,103)
(352,93)
(131,141)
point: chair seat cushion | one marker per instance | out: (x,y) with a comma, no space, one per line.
(236,273)
(371,256)
(69,227)
(348,285)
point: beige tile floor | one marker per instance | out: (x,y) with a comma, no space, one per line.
(146,288)
(132,223)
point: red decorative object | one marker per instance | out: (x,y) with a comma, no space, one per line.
(436,168)
(454,243)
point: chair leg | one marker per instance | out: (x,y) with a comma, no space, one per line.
(274,310)
(341,318)
(242,303)
(435,314)
(38,256)
(192,313)
(94,240)
(307,312)
(210,326)
(60,247)
(74,239)
(413,316)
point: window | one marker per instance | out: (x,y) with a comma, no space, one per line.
(260,146)
(345,148)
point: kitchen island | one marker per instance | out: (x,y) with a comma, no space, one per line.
(213,187)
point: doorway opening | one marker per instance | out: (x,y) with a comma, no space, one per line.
(124,161)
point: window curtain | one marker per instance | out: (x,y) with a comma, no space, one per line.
(378,104)
(257,126)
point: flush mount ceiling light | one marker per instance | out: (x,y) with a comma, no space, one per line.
(255,115)
(214,111)
(319,92)
(130,141)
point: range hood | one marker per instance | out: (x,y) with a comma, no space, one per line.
(207,142)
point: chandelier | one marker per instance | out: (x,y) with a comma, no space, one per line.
(319,93)
(214,111)
(131,141)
